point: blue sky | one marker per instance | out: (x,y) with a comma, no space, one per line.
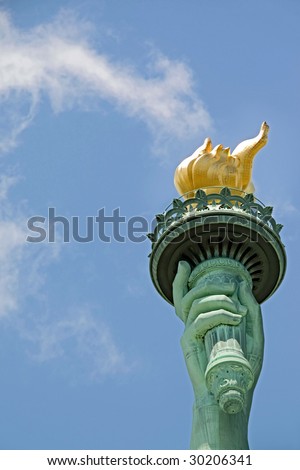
(100,101)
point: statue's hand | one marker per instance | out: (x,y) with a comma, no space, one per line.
(203,308)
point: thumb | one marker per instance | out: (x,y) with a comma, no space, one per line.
(247,299)
(245,294)
(180,286)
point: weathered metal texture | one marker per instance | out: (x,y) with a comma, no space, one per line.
(220,224)
(217,255)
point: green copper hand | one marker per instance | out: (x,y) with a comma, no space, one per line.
(202,308)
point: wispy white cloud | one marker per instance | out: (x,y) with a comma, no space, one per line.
(6,182)
(12,249)
(11,254)
(21,264)
(79,338)
(57,60)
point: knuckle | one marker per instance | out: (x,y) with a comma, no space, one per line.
(223,298)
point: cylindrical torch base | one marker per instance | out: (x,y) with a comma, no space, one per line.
(231,401)
(229,379)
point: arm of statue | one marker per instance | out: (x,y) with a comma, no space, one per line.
(201,309)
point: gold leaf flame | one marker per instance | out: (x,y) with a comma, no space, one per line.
(217,167)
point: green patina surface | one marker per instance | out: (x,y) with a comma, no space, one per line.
(202,202)
(216,257)
(221,310)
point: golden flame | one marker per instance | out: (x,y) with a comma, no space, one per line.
(209,166)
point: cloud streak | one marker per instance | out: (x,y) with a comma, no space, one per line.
(59,63)
(57,60)
(79,339)
(12,249)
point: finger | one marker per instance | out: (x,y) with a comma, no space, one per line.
(204,291)
(180,286)
(214,302)
(207,321)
